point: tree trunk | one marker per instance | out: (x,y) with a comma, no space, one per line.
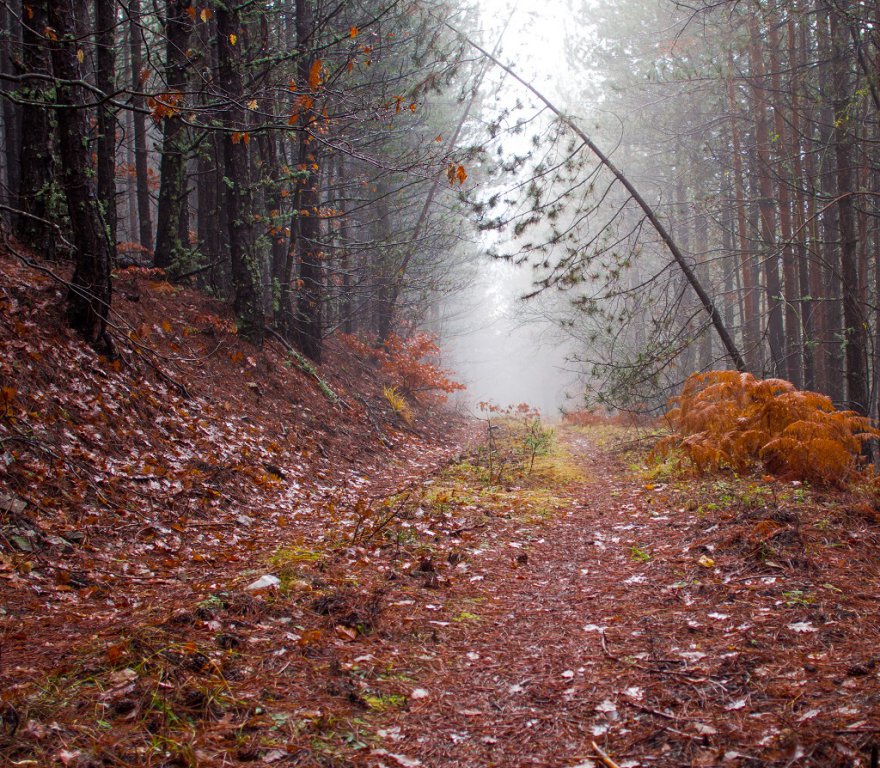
(751,325)
(766,202)
(12,144)
(141,154)
(701,251)
(854,319)
(271,181)
(797,58)
(345,265)
(383,267)
(105,79)
(830,286)
(37,158)
(792,368)
(308,325)
(247,274)
(172,185)
(89,295)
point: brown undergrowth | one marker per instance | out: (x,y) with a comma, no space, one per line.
(731,419)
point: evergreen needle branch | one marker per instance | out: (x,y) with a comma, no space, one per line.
(689,274)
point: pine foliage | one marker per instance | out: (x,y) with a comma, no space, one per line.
(731,419)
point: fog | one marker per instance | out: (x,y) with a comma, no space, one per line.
(502,348)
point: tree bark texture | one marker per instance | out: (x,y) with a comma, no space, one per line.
(105,79)
(90,290)
(37,158)
(172,188)
(247,269)
(854,320)
(139,119)
(307,321)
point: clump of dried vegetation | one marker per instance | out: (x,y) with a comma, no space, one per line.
(731,419)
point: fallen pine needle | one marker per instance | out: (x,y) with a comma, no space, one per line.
(603,756)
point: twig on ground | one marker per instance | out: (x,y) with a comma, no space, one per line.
(306,367)
(193,272)
(603,755)
(382,439)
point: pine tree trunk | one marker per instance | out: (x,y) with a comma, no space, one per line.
(105,79)
(247,273)
(345,265)
(308,322)
(271,181)
(383,268)
(830,285)
(10,11)
(854,318)
(792,369)
(37,158)
(751,326)
(703,268)
(89,296)
(139,120)
(766,202)
(172,185)
(797,59)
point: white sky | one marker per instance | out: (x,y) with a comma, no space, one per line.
(534,40)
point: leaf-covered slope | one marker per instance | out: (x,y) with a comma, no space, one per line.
(186,452)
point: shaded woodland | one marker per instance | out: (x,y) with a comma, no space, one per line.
(293,158)
(321,167)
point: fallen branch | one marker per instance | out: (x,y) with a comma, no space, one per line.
(379,434)
(196,271)
(307,368)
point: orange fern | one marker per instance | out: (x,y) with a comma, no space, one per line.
(732,419)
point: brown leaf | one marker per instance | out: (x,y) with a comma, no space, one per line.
(310,637)
(345,633)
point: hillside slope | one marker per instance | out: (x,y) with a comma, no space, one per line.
(128,482)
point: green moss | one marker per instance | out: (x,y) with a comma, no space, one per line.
(382,702)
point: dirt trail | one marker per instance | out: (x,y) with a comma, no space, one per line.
(719,622)
(613,632)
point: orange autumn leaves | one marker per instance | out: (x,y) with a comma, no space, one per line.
(204,14)
(456,173)
(305,96)
(731,419)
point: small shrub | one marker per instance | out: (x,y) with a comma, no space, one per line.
(406,361)
(732,419)
(515,437)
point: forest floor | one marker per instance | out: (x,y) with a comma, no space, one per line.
(206,560)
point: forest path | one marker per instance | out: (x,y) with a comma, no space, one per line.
(574,619)
(622,632)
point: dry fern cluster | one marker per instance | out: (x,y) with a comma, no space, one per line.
(732,419)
